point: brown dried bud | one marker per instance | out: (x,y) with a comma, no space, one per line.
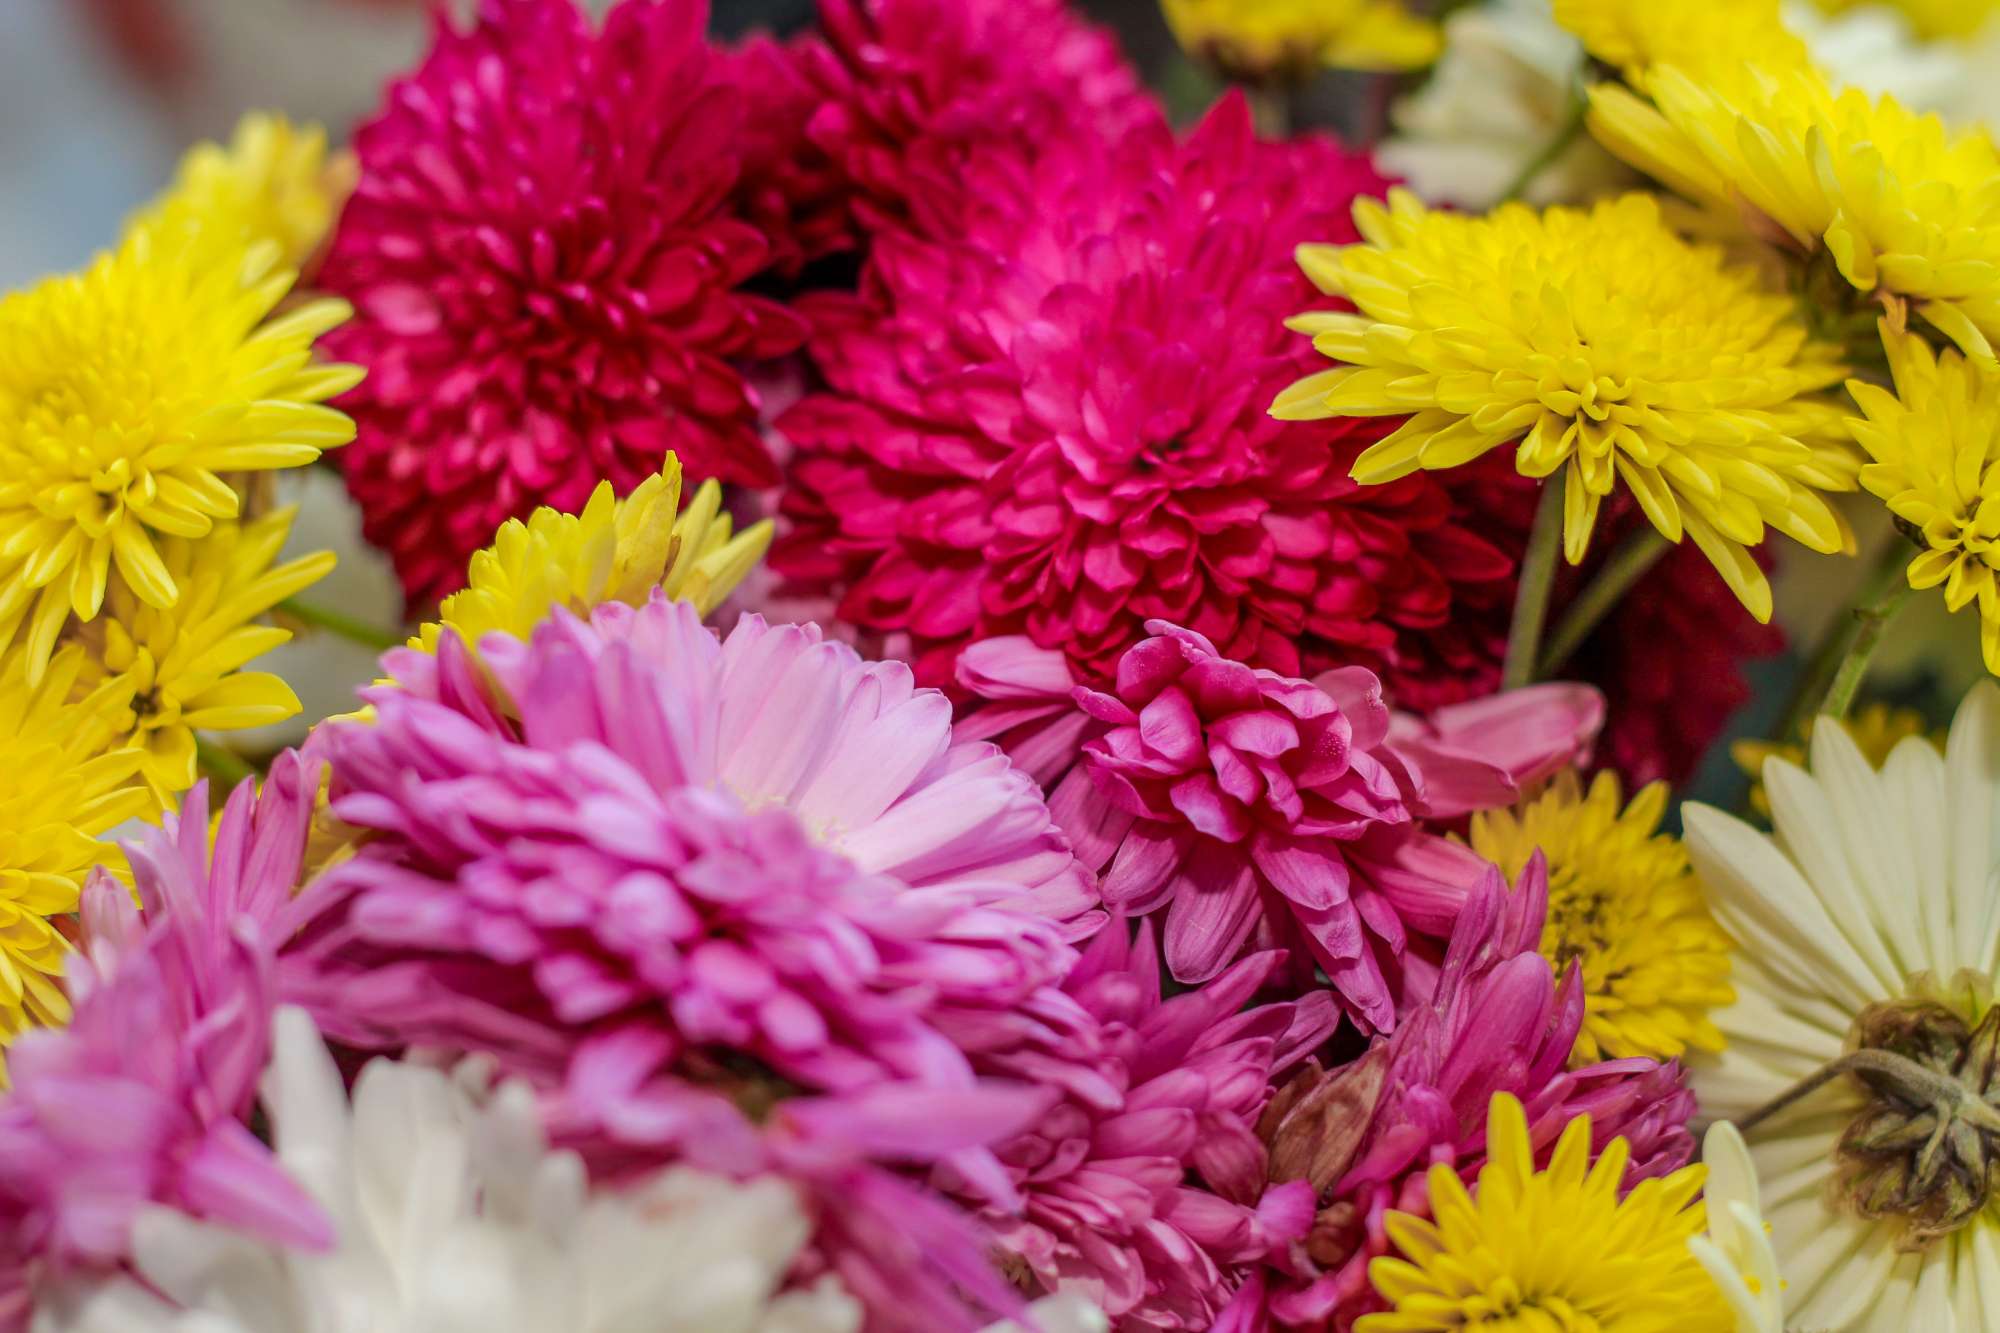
(1317,1121)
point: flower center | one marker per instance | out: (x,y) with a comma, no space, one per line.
(1926,1147)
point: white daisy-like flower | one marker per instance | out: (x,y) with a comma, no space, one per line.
(453,1216)
(1868,932)
(1737,1250)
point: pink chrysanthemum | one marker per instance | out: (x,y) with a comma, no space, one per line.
(1047,424)
(1250,806)
(655,873)
(547,266)
(1364,1135)
(143,1098)
(1144,1189)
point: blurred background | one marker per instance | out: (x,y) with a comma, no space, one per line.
(98,98)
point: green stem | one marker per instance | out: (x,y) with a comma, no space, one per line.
(1627,565)
(1538,578)
(1566,134)
(1847,644)
(224,765)
(1912,1080)
(338,623)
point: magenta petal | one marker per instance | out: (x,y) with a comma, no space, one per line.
(1145,865)
(231,1178)
(1214,908)
(1313,877)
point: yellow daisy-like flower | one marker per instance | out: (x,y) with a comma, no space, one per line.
(64,786)
(1624,905)
(1260,40)
(183,666)
(1600,345)
(126,391)
(614,551)
(1715,38)
(1932,18)
(1553,1251)
(274,181)
(1935,443)
(1876,729)
(1903,206)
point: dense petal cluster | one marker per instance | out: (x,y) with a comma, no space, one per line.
(1933,446)
(615,550)
(1624,905)
(1708,38)
(1260,41)
(1900,205)
(1603,348)
(1561,1243)
(1057,431)
(273,181)
(549,274)
(127,391)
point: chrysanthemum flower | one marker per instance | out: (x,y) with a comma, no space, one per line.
(1050,434)
(1877,730)
(68,781)
(1713,39)
(564,303)
(182,668)
(1901,204)
(1624,905)
(1933,18)
(1736,1250)
(1599,345)
(126,391)
(273,181)
(1263,40)
(1135,1187)
(513,1238)
(1865,923)
(143,1098)
(614,551)
(1934,444)
(1554,1246)
(1493,1020)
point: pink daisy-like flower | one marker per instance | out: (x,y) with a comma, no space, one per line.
(721,901)
(1364,1135)
(1251,806)
(1144,1189)
(1045,422)
(143,1098)
(547,266)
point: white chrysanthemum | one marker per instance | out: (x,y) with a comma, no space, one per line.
(454,1217)
(1509,77)
(1869,919)
(1737,1250)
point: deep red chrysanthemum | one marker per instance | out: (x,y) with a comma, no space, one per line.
(1057,428)
(546,259)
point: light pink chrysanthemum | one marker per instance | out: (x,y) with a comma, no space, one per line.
(1257,807)
(143,1098)
(1144,1190)
(1364,1135)
(1044,422)
(547,264)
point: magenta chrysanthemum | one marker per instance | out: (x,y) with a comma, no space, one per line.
(143,1098)
(1049,423)
(547,266)
(657,862)
(1364,1135)
(1143,1189)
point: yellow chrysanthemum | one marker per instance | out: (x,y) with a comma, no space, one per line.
(1935,444)
(1876,729)
(1258,40)
(126,391)
(1932,18)
(274,181)
(64,785)
(183,666)
(614,551)
(1625,907)
(1903,206)
(1599,344)
(1715,38)
(1553,1251)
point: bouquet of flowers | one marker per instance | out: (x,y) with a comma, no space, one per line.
(1016,715)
